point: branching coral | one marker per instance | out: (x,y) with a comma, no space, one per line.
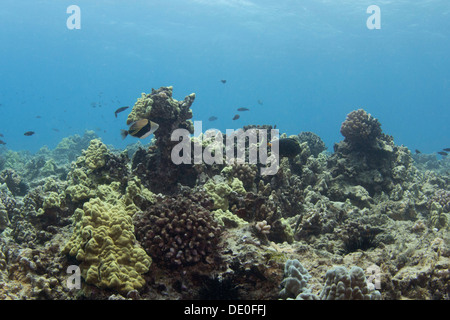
(441,197)
(295,283)
(360,128)
(347,285)
(177,231)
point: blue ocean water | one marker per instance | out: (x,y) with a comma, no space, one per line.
(308,63)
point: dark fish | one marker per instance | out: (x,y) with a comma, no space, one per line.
(287,147)
(442,153)
(213,118)
(223,81)
(418,151)
(55,129)
(38,117)
(1,135)
(28,133)
(236,117)
(243,109)
(2,142)
(446,149)
(140,129)
(260,102)
(120,110)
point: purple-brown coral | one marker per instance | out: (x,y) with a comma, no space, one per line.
(177,231)
(360,128)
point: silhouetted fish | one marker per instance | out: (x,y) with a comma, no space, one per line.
(1,135)
(442,153)
(287,147)
(120,110)
(55,129)
(140,129)
(260,102)
(418,151)
(223,81)
(38,117)
(29,133)
(446,149)
(243,109)
(2,142)
(213,118)
(236,117)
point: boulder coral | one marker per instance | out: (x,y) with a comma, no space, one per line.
(103,242)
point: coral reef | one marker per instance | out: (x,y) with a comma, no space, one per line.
(140,227)
(314,142)
(340,284)
(169,114)
(14,182)
(378,166)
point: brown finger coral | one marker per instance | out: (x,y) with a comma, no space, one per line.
(177,231)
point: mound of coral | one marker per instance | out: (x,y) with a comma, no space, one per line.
(178,231)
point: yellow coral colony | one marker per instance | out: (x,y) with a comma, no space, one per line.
(103,238)
(103,241)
